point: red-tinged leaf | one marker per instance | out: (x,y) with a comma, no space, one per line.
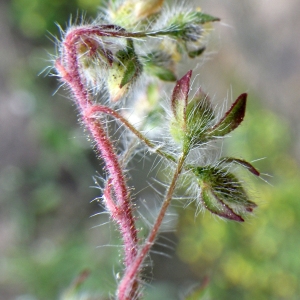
(232,119)
(180,97)
(242,163)
(216,206)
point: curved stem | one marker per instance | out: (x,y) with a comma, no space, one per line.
(129,277)
(69,70)
(124,218)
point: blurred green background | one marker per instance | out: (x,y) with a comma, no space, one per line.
(46,165)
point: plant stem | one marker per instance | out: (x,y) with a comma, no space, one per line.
(106,110)
(129,277)
(69,70)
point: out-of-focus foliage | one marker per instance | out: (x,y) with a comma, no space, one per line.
(34,17)
(47,239)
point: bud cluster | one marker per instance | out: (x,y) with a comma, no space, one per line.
(194,123)
(133,38)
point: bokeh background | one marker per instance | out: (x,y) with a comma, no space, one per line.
(46,165)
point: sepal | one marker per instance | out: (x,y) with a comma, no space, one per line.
(215,205)
(202,18)
(241,162)
(232,119)
(179,103)
(179,98)
(222,193)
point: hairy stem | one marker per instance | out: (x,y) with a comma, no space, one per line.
(69,69)
(129,277)
(106,110)
(124,216)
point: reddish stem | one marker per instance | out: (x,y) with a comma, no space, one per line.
(129,277)
(97,108)
(69,69)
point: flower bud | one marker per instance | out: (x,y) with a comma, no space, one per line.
(189,28)
(131,12)
(94,60)
(191,119)
(187,25)
(124,71)
(195,121)
(199,115)
(222,193)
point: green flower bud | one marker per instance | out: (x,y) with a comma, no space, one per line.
(189,28)
(125,70)
(222,193)
(199,115)
(191,120)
